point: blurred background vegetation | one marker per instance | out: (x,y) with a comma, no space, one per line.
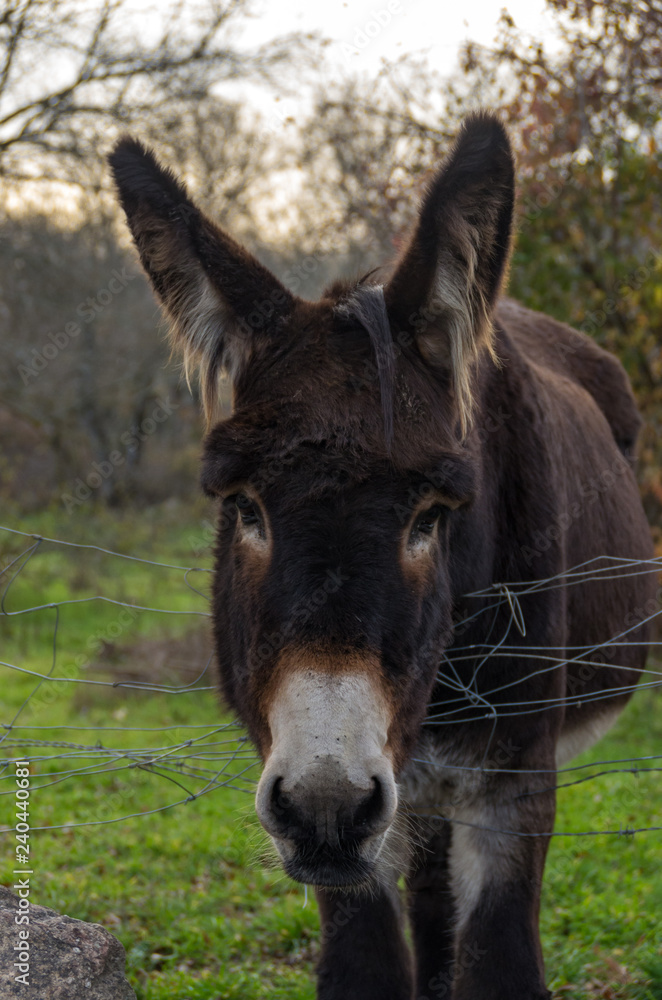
(332,193)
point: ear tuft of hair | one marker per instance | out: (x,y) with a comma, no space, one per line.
(222,302)
(163,221)
(448,278)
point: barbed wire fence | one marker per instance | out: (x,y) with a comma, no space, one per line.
(212,756)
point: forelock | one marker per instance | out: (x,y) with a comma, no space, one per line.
(366,306)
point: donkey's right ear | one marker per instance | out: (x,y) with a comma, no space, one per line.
(222,301)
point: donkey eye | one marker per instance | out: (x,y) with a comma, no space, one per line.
(426,521)
(248,511)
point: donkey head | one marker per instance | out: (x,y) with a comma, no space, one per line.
(340,474)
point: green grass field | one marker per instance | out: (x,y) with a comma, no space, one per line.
(189,890)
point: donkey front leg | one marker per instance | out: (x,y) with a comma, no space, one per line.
(364,953)
(497,880)
(432,912)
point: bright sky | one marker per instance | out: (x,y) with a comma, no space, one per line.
(362,33)
(435,27)
(366,32)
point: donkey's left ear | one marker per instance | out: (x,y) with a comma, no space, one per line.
(447,280)
(222,301)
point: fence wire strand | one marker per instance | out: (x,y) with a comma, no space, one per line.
(213,756)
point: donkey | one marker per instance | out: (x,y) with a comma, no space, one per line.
(411,471)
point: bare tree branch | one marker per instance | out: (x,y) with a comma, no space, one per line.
(116,77)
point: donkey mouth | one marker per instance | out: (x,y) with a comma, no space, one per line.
(326,864)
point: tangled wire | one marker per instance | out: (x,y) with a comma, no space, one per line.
(213,756)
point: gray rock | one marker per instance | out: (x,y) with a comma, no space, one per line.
(69,959)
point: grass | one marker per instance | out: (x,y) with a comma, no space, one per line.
(187,890)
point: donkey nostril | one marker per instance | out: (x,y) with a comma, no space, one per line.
(280,800)
(370,810)
(332,811)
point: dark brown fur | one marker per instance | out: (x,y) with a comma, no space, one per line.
(352,415)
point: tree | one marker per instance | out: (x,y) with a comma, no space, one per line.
(84,366)
(82,362)
(587,126)
(366,151)
(101,65)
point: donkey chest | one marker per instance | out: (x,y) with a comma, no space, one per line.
(441,777)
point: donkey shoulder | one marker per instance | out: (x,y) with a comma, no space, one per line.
(560,348)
